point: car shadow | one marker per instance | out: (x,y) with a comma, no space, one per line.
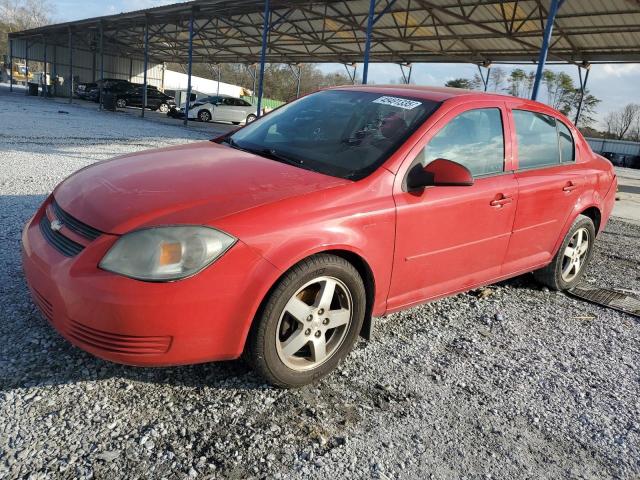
(32,353)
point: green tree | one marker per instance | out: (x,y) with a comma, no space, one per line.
(588,110)
(17,15)
(459,83)
(517,83)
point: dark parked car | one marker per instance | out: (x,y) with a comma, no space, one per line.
(156,100)
(91,90)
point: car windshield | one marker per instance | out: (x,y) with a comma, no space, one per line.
(341,133)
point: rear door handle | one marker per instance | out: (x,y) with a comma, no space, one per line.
(569,187)
(500,201)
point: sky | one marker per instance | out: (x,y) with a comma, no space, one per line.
(615,85)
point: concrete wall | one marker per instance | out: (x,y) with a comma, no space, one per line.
(86,64)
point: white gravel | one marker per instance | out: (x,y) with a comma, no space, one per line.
(522,383)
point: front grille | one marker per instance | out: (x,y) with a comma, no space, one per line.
(74,224)
(113,342)
(45,306)
(64,245)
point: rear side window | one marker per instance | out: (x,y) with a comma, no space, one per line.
(474,139)
(537,139)
(565,140)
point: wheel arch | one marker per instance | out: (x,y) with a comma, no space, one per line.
(590,207)
(595,215)
(204,110)
(355,259)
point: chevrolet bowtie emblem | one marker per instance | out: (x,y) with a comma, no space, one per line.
(56,225)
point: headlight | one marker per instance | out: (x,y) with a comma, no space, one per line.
(166,253)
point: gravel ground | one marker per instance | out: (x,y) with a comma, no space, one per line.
(507,382)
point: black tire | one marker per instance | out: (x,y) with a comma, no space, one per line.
(261,351)
(163,108)
(551,275)
(204,116)
(250,118)
(121,103)
(236,123)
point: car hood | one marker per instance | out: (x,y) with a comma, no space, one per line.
(190,184)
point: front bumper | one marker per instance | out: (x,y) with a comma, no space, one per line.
(175,113)
(198,319)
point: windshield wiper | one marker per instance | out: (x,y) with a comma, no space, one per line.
(274,155)
(270,153)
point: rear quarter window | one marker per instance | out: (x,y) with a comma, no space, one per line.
(566,143)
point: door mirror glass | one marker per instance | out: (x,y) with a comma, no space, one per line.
(440,172)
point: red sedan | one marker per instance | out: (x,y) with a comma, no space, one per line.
(282,240)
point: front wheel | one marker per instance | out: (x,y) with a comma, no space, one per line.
(121,103)
(568,266)
(250,118)
(309,322)
(163,108)
(204,116)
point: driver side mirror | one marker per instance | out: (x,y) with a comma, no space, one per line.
(440,172)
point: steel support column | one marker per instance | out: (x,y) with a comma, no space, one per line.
(485,79)
(11,65)
(548,31)
(26,62)
(70,66)
(189,70)
(406,77)
(45,86)
(263,54)
(297,73)
(352,76)
(219,67)
(254,74)
(146,66)
(583,86)
(101,65)
(367,44)
(55,69)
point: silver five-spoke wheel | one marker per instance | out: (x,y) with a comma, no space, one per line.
(314,323)
(575,254)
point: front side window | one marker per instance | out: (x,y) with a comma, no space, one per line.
(537,139)
(565,140)
(474,139)
(342,133)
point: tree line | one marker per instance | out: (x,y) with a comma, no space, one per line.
(558,90)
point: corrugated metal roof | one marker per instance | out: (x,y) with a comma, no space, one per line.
(334,31)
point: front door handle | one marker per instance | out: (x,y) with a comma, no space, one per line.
(500,201)
(569,187)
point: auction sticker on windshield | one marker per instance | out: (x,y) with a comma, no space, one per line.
(398,102)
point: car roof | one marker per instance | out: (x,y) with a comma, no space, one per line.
(436,94)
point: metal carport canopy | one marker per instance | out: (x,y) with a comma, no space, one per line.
(404,31)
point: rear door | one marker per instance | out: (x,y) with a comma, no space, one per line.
(549,183)
(451,238)
(220,110)
(134,97)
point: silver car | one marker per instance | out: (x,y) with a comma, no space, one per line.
(221,108)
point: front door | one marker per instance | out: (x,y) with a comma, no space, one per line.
(452,238)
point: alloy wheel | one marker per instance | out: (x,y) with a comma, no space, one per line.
(164,108)
(575,254)
(314,323)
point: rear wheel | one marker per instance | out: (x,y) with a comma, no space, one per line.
(309,323)
(204,116)
(250,118)
(568,266)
